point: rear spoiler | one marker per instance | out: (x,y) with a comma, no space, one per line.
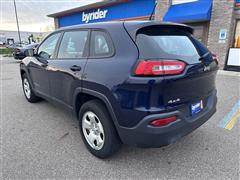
(132,27)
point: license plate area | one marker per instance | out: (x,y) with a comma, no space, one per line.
(196,107)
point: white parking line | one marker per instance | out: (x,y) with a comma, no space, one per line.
(228,73)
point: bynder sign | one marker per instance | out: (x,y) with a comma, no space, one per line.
(99,14)
(117,11)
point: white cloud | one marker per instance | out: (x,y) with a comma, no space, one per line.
(32,14)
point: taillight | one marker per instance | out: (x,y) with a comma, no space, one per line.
(215,58)
(159,67)
(17,50)
(163,121)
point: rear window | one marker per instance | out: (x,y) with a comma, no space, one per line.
(166,43)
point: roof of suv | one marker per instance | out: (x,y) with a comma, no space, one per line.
(104,25)
(131,26)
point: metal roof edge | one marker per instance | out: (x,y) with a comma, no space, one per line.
(100,4)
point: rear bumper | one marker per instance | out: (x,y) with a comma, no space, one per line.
(144,135)
(18,55)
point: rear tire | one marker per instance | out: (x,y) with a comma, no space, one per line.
(97,129)
(27,90)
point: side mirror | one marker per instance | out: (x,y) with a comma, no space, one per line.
(42,57)
(43,61)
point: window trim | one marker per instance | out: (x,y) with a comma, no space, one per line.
(86,49)
(48,36)
(111,43)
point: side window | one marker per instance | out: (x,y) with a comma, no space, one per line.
(73,44)
(46,49)
(101,44)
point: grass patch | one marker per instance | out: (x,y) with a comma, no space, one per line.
(6,50)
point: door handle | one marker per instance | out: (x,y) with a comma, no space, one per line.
(75,68)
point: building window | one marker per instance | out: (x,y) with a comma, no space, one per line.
(237,35)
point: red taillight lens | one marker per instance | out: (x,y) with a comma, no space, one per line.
(163,122)
(17,50)
(159,67)
(215,58)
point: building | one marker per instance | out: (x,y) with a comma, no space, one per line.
(216,22)
(107,10)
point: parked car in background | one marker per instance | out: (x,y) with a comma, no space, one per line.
(21,52)
(142,83)
(17,44)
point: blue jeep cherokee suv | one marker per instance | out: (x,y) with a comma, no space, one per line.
(141,83)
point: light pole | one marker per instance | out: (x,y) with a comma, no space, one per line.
(153,11)
(17,22)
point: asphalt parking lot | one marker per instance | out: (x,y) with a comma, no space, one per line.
(41,141)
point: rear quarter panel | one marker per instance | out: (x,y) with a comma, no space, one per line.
(108,75)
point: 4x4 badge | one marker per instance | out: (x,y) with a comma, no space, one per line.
(174,101)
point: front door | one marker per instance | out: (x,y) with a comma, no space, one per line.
(39,64)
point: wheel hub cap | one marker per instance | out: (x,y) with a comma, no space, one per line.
(26,88)
(93,130)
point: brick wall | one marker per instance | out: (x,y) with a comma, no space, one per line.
(161,9)
(222,18)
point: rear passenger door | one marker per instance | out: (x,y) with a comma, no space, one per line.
(67,69)
(100,62)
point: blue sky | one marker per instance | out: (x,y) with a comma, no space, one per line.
(32,13)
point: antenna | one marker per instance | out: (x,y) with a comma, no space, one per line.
(150,18)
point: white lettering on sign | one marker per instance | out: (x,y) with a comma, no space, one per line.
(182,1)
(94,15)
